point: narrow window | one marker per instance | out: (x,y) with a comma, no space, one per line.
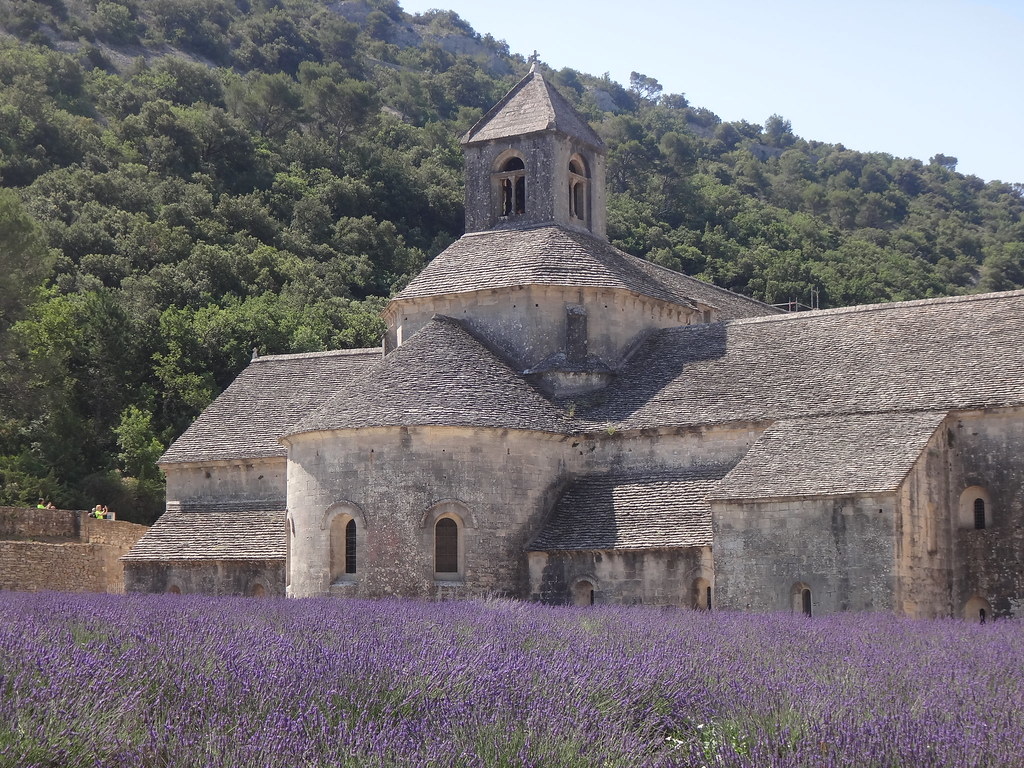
(981,615)
(806,598)
(344,543)
(350,547)
(979,514)
(709,598)
(446,546)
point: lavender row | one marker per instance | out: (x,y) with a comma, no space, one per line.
(170,681)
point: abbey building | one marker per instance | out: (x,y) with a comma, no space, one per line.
(551,419)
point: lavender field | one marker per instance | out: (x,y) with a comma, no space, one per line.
(135,681)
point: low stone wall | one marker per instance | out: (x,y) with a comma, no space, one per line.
(63,550)
(24,523)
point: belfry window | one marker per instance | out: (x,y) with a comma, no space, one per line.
(979,514)
(579,190)
(512,181)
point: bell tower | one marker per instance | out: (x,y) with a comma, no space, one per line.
(532,160)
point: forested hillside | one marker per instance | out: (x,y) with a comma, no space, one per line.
(184,181)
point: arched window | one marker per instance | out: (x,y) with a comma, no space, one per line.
(512,185)
(583,592)
(174,589)
(344,542)
(350,546)
(257,590)
(801,599)
(975,509)
(977,609)
(444,528)
(579,190)
(446,547)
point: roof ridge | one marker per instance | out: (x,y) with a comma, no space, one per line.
(328,353)
(880,307)
(708,283)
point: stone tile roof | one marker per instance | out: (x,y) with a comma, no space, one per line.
(271,394)
(220,532)
(831,455)
(552,255)
(633,512)
(934,354)
(531,106)
(441,376)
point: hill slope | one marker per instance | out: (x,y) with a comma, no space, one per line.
(207,177)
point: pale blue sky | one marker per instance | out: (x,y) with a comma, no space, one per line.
(908,77)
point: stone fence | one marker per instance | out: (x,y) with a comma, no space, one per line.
(63,550)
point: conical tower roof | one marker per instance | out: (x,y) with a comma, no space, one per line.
(532,106)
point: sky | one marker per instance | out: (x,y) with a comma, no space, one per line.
(913,78)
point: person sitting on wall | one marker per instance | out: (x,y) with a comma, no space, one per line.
(50,505)
(41,504)
(96,512)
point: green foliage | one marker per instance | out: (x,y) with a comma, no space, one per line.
(24,260)
(182,181)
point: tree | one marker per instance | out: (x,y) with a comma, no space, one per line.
(646,89)
(24,260)
(778,132)
(139,446)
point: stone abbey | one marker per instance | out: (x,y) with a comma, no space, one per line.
(549,418)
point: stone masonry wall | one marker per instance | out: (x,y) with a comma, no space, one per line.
(28,523)
(392,480)
(546,157)
(924,562)
(528,324)
(655,577)
(63,550)
(986,450)
(840,547)
(389,480)
(252,479)
(208,577)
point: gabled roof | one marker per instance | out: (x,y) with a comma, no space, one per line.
(651,511)
(441,376)
(217,532)
(831,455)
(553,255)
(934,354)
(533,105)
(272,393)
